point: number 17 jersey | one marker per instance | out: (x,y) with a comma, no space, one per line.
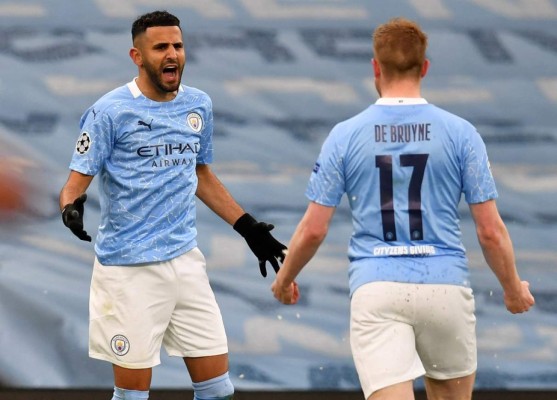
(404,164)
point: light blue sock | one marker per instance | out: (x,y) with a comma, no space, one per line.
(219,388)
(124,394)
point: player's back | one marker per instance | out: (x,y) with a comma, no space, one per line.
(405,167)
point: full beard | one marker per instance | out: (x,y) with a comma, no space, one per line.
(156,78)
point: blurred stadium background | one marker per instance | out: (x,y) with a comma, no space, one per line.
(281,73)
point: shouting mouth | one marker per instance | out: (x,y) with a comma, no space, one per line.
(170,73)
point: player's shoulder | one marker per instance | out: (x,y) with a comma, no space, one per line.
(113,98)
(450,118)
(354,122)
(191,94)
(192,91)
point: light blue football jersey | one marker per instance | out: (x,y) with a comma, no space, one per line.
(404,164)
(145,153)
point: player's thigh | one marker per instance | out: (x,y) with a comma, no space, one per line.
(403,390)
(382,335)
(129,310)
(196,327)
(450,389)
(132,379)
(446,331)
(204,368)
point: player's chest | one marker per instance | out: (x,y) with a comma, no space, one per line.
(159,123)
(159,135)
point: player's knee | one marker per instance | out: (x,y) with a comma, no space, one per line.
(219,388)
(124,394)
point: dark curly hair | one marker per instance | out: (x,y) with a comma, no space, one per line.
(155,18)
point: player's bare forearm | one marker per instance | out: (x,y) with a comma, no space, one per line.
(72,199)
(302,248)
(499,254)
(305,242)
(496,244)
(257,234)
(74,187)
(214,195)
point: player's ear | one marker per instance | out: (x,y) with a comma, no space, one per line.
(136,57)
(376,68)
(425,68)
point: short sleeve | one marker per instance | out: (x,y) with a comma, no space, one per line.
(477,179)
(205,155)
(94,144)
(327,181)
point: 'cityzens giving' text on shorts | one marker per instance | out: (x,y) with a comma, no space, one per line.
(424,250)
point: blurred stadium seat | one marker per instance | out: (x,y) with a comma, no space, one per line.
(281,73)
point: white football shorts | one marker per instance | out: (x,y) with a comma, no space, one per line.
(135,309)
(400,331)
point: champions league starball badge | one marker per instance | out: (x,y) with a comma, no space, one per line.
(83,143)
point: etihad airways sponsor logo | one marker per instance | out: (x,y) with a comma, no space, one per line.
(168,149)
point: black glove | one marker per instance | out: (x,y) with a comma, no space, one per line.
(72,216)
(260,241)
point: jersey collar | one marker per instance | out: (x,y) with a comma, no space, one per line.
(400,101)
(136,92)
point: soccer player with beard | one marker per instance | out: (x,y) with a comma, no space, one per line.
(150,142)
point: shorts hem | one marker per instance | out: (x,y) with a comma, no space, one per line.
(122,364)
(200,353)
(393,381)
(444,377)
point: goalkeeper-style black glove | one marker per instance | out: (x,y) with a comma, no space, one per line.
(260,241)
(72,216)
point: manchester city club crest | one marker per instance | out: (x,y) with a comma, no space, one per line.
(195,121)
(120,345)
